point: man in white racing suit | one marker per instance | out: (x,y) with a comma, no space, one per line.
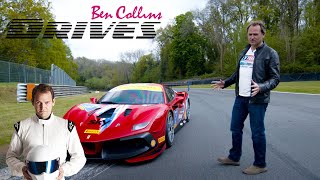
(44,128)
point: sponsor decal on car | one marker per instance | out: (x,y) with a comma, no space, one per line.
(176,115)
(106,122)
(161,139)
(92,131)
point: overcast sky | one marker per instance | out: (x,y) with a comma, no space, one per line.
(74,11)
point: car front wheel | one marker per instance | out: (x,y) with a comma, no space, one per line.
(169,130)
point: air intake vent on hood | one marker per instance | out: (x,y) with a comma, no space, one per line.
(107,114)
(127,112)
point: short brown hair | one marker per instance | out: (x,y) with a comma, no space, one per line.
(257,23)
(42,88)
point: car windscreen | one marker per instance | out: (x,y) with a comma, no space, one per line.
(132,97)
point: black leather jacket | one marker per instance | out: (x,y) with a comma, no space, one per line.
(266,72)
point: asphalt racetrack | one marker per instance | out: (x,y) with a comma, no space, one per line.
(293,142)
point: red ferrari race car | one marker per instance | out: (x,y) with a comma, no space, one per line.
(132,122)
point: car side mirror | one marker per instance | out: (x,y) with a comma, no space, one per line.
(93,100)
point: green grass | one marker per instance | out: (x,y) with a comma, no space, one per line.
(312,87)
(11,111)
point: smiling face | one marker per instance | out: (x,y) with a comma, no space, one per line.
(43,103)
(255,36)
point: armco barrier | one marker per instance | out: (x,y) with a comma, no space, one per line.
(59,91)
(21,92)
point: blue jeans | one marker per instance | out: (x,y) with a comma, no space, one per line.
(241,109)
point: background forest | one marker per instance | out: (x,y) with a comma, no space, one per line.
(199,44)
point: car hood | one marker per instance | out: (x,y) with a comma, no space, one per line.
(100,122)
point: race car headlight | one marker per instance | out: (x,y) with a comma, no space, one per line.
(140,126)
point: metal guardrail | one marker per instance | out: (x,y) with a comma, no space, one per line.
(21,92)
(59,91)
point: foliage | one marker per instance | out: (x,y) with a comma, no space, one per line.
(164,40)
(37,52)
(102,74)
(182,49)
(209,40)
(146,70)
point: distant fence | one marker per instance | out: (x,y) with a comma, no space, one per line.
(300,77)
(59,91)
(187,82)
(13,72)
(283,78)
(59,77)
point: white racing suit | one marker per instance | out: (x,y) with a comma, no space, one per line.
(57,133)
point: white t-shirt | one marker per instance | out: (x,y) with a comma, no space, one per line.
(245,74)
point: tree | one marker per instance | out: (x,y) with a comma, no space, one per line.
(37,52)
(146,70)
(187,52)
(308,51)
(216,26)
(164,40)
(97,74)
(128,61)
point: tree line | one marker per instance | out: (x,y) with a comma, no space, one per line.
(201,43)
(39,52)
(208,41)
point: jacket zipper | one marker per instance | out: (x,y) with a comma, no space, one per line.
(43,134)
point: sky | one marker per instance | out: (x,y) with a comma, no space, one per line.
(74,11)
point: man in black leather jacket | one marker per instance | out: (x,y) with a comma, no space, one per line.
(257,73)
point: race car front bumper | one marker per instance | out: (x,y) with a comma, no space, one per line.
(123,148)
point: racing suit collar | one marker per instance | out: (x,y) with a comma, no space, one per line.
(43,121)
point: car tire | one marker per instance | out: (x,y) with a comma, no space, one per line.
(188,111)
(169,130)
